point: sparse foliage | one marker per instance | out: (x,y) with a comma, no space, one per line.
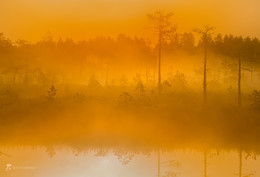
(140,88)
(161,22)
(126,98)
(206,31)
(51,93)
(93,83)
(79,97)
(256,98)
(124,81)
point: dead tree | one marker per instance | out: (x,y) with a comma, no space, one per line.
(206,31)
(162,25)
(239,80)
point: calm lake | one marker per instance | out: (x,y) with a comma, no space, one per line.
(40,161)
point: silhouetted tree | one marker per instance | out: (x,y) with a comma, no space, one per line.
(178,81)
(187,41)
(140,88)
(93,83)
(79,97)
(256,98)
(166,85)
(239,79)
(125,98)
(162,25)
(205,32)
(51,93)
(124,81)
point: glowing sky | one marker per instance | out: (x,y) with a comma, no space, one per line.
(81,19)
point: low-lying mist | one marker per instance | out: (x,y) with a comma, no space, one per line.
(105,91)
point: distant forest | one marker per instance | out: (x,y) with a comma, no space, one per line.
(44,61)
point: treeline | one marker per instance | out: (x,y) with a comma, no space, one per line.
(229,45)
(47,58)
(123,45)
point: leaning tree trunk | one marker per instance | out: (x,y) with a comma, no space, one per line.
(239,80)
(159,63)
(14,77)
(205,72)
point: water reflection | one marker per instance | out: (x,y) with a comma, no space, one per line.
(39,161)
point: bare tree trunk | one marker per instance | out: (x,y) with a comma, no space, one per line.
(240,164)
(159,163)
(14,77)
(147,75)
(205,72)
(205,163)
(162,25)
(159,64)
(239,80)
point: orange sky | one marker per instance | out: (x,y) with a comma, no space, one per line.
(81,19)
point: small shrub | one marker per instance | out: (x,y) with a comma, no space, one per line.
(51,93)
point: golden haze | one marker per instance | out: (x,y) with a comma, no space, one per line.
(82,19)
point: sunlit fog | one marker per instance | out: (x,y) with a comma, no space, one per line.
(121,88)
